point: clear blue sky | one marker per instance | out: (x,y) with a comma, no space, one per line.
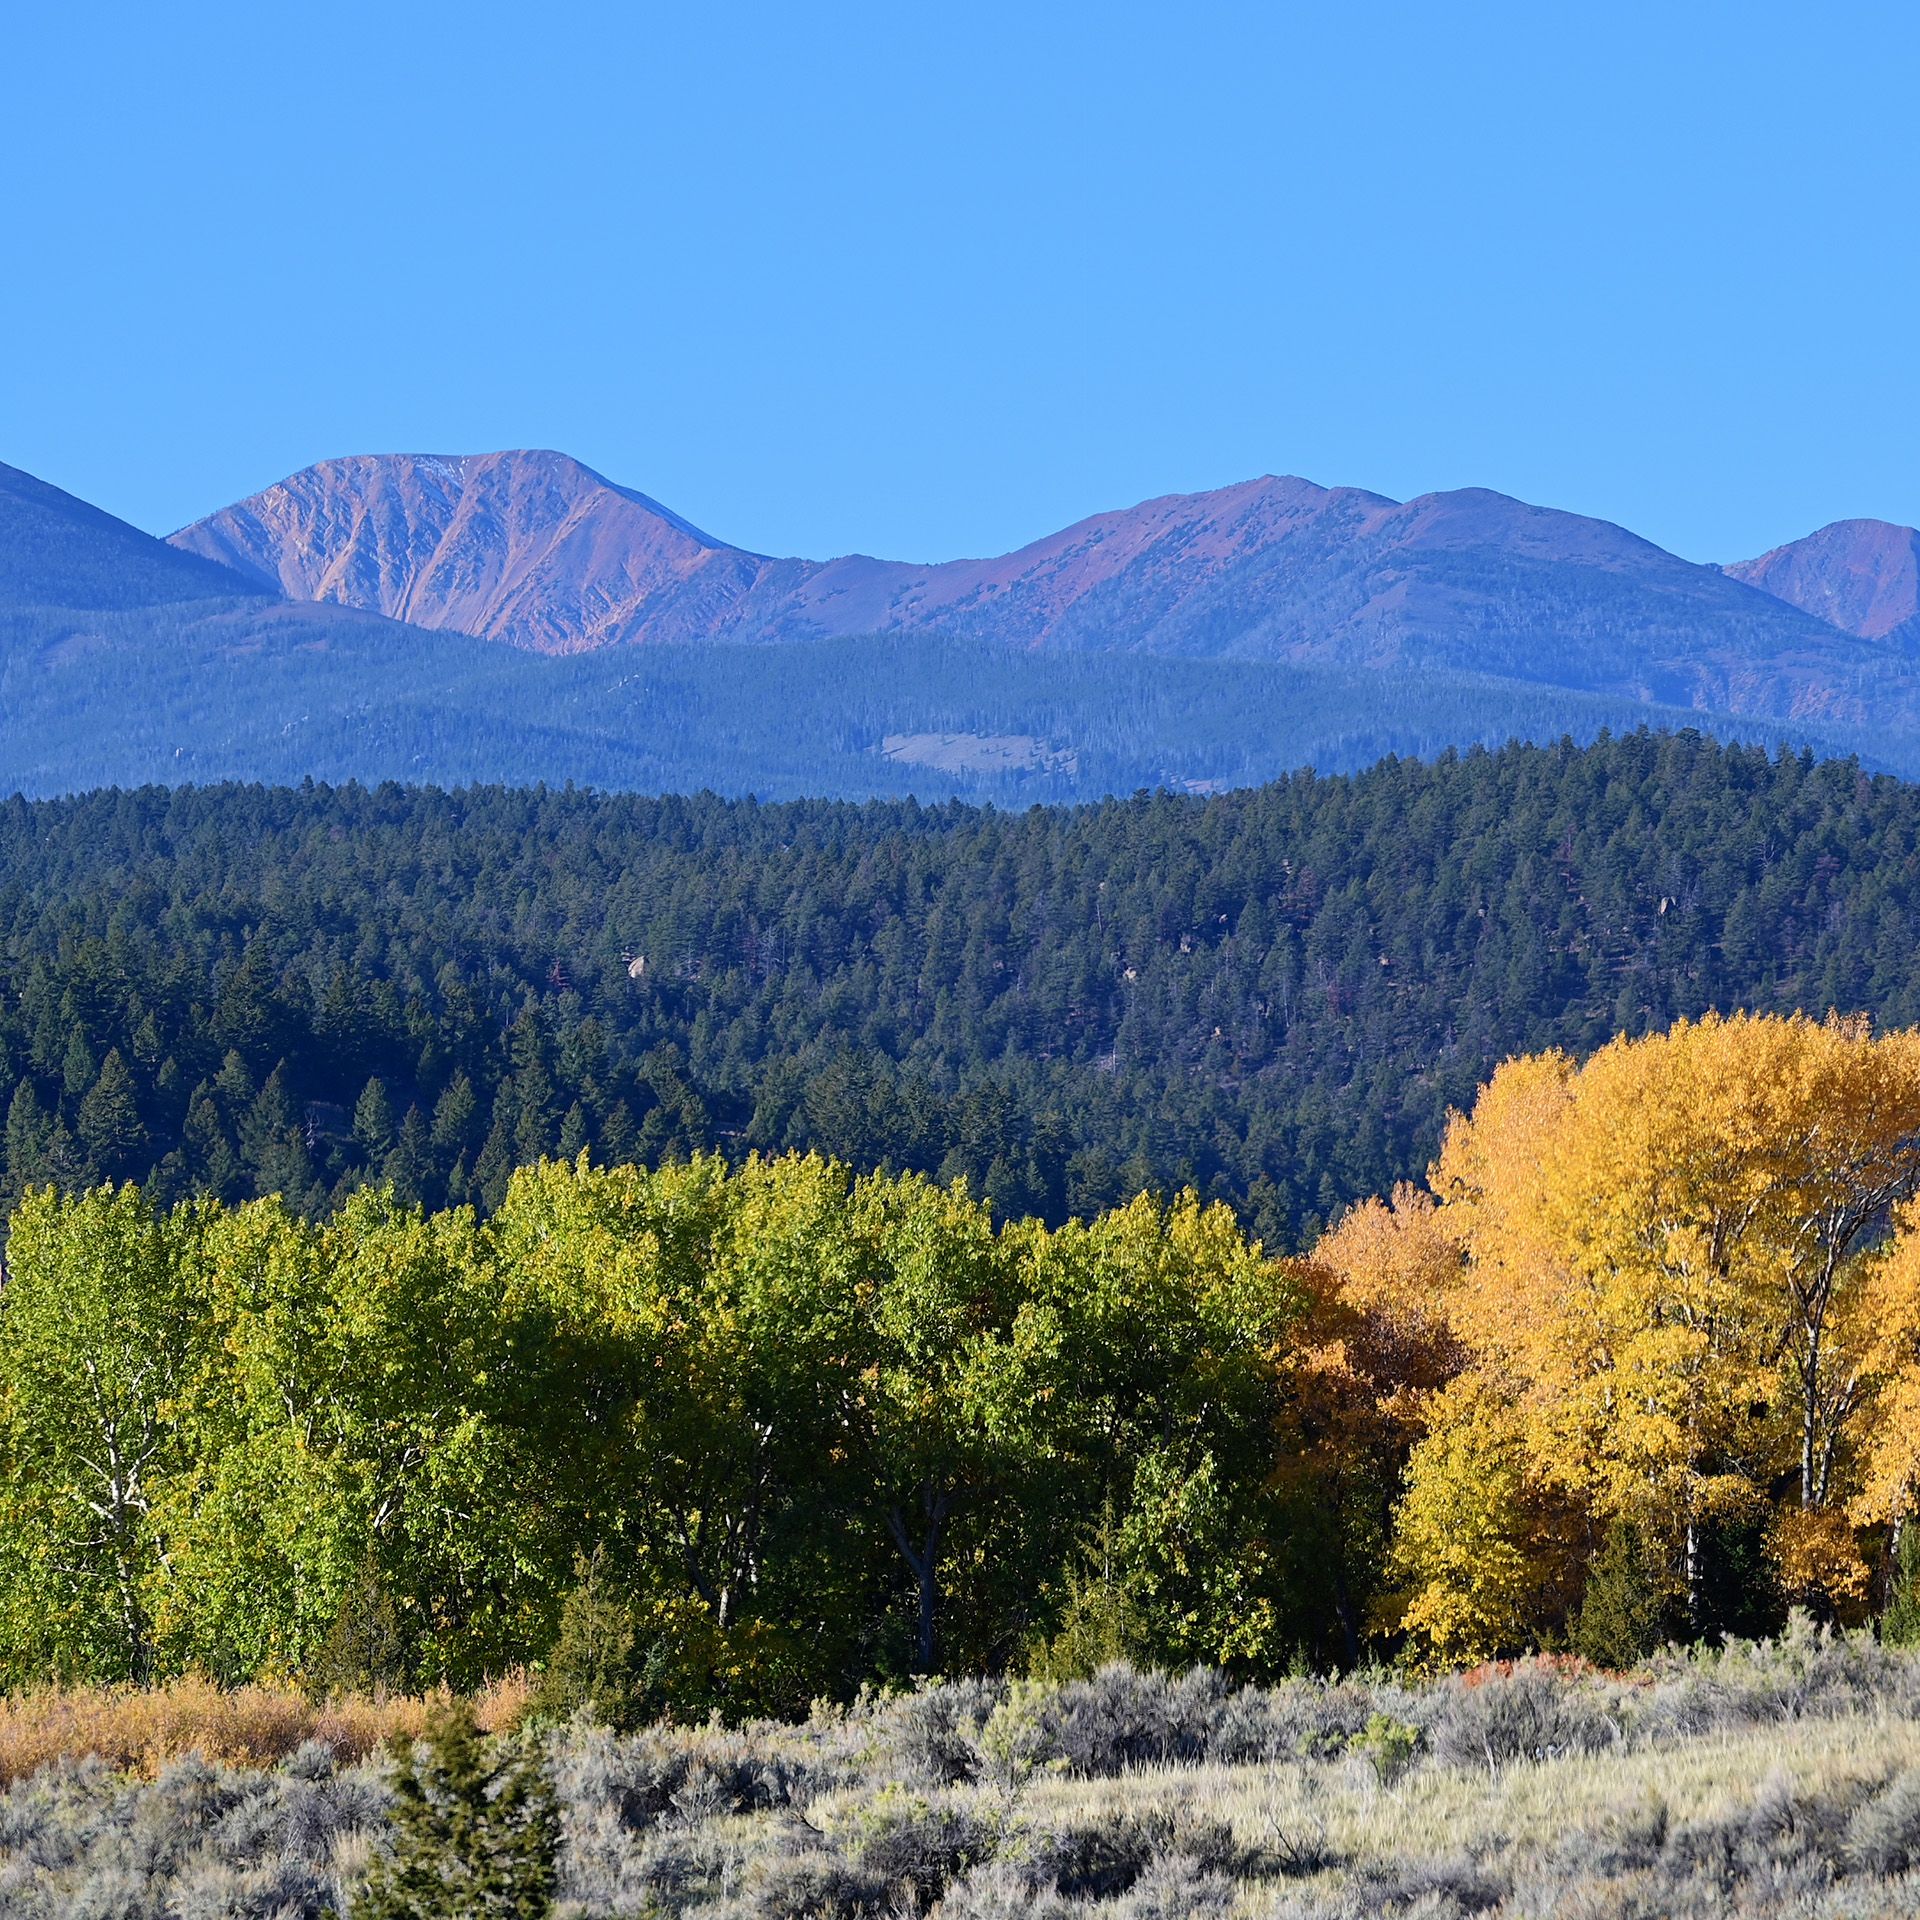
(926,280)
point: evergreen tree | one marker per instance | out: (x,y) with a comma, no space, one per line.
(475,1831)
(495,1165)
(453,1115)
(364,1651)
(1900,1623)
(78,1069)
(235,1087)
(409,1167)
(617,1137)
(109,1119)
(29,1131)
(211,1160)
(1622,1609)
(593,1666)
(373,1121)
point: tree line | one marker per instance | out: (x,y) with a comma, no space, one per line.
(791,1430)
(1641,1361)
(1272,996)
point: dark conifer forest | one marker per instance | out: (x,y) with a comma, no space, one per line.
(1273,995)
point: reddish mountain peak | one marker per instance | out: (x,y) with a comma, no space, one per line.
(527,546)
(1464,517)
(1229,515)
(1862,576)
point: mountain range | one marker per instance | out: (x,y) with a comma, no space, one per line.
(517,615)
(534,549)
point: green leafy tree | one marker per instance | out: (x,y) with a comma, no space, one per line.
(946,1397)
(102,1326)
(703,1355)
(1169,1324)
(356,1422)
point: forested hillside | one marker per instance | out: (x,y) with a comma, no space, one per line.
(1274,995)
(278,692)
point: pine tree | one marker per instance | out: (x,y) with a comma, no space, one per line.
(1900,1624)
(475,1832)
(234,1085)
(109,1118)
(592,1667)
(28,1132)
(494,1168)
(373,1121)
(453,1115)
(1619,1620)
(363,1651)
(275,1144)
(210,1155)
(617,1137)
(1101,1621)
(409,1166)
(269,1119)
(147,1043)
(78,1070)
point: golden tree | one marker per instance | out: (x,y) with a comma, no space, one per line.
(1671,1252)
(1887,1335)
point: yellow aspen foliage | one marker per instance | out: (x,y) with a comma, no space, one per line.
(1888,1338)
(1372,1348)
(1394,1269)
(1819,1563)
(1479,1558)
(1671,1267)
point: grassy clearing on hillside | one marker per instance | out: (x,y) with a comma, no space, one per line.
(1765,1779)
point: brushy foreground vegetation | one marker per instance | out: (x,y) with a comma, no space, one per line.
(1758,1779)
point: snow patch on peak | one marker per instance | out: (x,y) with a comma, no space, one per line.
(452,471)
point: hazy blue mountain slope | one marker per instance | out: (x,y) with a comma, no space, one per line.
(281,692)
(57,551)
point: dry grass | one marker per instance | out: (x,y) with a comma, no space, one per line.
(139,1730)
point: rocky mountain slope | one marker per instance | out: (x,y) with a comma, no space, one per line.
(530,548)
(1862,576)
(536,550)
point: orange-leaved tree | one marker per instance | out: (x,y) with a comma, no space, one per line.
(1373,1348)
